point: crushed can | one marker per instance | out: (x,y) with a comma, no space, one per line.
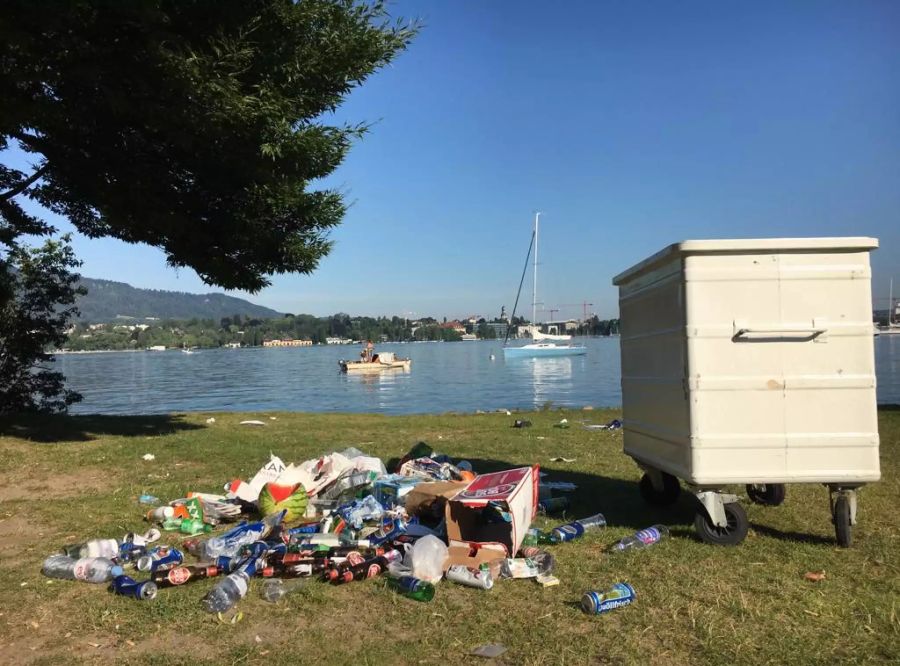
(129,587)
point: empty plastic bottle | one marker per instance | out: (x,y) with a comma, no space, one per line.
(575,529)
(227,593)
(411,587)
(187,525)
(89,569)
(642,539)
(94,548)
(274,589)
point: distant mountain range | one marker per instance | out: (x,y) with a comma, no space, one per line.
(107,301)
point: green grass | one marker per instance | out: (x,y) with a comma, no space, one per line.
(69,479)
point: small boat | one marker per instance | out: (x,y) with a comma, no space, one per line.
(379,362)
(891,327)
(540,347)
(543,349)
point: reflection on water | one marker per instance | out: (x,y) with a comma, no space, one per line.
(444,377)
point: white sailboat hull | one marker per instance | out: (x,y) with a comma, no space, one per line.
(543,350)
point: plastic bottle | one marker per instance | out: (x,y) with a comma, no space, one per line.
(274,589)
(534,537)
(541,562)
(361,570)
(160,514)
(187,525)
(227,593)
(412,588)
(553,504)
(575,529)
(94,548)
(88,569)
(642,539)
(129,587)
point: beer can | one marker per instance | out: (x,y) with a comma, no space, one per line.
(596,603)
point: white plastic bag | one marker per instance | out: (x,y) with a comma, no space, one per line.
(426,558)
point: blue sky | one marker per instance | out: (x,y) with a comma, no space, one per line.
(630,125)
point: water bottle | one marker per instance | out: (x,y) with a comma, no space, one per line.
(642,539)
(576,529)
(227,593)
(412,587)
(274,589)
(94,548)
(89,569)
(160,514)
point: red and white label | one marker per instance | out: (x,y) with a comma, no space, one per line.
(179,575)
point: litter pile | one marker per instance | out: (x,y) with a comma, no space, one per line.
(343,518)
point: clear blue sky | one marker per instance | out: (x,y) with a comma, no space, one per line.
(630,125)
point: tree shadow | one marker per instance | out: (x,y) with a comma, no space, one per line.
(617,499)
(55,428)
(889,408)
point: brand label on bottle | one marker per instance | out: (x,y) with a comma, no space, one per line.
(373,571)
(648,536)
(354,558)
(81,569)
(569,532)
(179,575)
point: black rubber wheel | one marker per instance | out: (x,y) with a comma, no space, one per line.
(670,492)
(841,520)
(730,535)
(768,494)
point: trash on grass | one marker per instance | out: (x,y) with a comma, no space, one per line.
(490,651)
(253,422)
(597,603)
(148,457)
(814,576)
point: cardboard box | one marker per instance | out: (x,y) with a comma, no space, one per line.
(516,490)
(429,499)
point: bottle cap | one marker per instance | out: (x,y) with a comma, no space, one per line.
(117,570)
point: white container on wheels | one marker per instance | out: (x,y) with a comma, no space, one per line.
(750,362)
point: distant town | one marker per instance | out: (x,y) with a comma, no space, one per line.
(302,330)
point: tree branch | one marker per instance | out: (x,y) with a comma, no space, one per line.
(25,184)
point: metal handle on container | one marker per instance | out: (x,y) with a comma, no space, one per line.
(815,332)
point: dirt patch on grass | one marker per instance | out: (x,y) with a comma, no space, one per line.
(63,485)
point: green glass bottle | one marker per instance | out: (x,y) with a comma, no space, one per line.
(187,526)
(536,537)
(413,588)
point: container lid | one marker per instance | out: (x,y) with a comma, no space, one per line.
(745,245)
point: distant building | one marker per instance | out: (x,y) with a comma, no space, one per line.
(338,341)
(287,343)
(455,326)
(499,327)
(232,345)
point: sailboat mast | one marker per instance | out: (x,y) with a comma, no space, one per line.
(537,217)
(890,303)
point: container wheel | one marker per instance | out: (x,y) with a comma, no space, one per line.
(768,494)
(669,494)
(730,535)
(841,520)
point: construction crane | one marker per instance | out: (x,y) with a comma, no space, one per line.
(584,305)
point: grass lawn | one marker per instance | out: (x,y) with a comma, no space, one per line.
(65,480)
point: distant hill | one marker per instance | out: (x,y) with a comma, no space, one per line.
(107,300)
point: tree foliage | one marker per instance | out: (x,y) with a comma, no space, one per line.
(39,291)
(197,126)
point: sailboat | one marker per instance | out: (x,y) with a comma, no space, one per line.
(892,327)
(543,344)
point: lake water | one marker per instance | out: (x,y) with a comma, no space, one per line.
(452,376)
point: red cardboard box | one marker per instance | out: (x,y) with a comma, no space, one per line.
(517,490)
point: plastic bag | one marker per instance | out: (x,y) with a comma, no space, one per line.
(426,558)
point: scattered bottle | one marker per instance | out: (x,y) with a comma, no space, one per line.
(129,587)
(88,569)
(553,505)
(535,537)
(130,552)
(411,587)
(302,569)
(94,548)
(227,593)
(149,499)
(182,575)
(370,568)
(190,526)
(480,578)
(541,562)
(641,539)
(575,529)
(160,514)
(274,589)
(596,603)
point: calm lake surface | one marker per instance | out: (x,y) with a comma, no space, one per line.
(451,376)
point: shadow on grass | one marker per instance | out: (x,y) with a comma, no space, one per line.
(889,408)
(617,499)
(817,539)
(54,428)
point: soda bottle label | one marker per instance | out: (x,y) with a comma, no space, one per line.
(81,569)
(648,536)
(373,571)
